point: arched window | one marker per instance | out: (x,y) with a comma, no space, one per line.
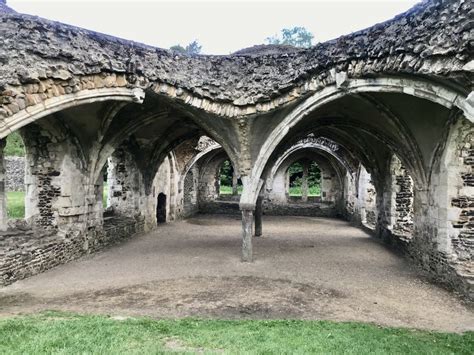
(304,179)
(14,156)
(105,186)
(229,183)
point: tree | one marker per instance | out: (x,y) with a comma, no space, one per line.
(296,36)
(295,171)
(226,173)
(14,145)
(192,48)
(178,48)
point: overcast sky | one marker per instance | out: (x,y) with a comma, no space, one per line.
(222,26)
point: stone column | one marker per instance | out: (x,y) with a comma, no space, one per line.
(3,193)
(235,184)
(258,217)
(247,229)
(304,183)
(382,202)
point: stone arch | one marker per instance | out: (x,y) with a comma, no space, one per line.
(209,176)
(300,146)
(344,86)
(195,159)
(162,147)
(109,146)
(329,203)
(54,104)
(189,181)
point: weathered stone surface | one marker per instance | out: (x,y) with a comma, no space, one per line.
(430,39)
(24,253)
(91,106)
(15,173)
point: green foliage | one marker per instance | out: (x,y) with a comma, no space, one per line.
(295,168)
(16,204)
(14,145)
(178,48)
(65,333)
(226,172)
(192,48)
(296,174)
(295,36)
(314,176)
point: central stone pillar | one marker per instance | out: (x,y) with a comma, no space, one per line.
(304,183)
(258,217)
(247,229)
(3,193)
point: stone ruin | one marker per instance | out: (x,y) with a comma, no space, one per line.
(387,114)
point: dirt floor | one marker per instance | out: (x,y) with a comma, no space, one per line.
(306,268)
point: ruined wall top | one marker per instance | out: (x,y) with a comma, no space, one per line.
(4,7)
(431,39)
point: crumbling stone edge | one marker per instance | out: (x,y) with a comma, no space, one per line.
(36,256)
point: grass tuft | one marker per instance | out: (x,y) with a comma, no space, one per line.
(16,204)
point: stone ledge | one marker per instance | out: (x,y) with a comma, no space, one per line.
(29,253)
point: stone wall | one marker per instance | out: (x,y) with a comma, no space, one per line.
(404,202)
(24,253)
(190,200)
(463,243)
(397,200)
(310,209)
(59,195)
(162,183)
(366,199)
(15,173)
(219,207)
(351,207)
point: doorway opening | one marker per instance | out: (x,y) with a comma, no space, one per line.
(161,208)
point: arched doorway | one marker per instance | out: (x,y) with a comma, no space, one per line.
(161,208)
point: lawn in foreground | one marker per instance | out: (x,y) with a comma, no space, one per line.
(65,333)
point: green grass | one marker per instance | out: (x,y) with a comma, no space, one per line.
(64,333)
(313,191)
(16,204)
(105,194)
(227,190)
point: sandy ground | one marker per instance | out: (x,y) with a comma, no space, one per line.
(305,268)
